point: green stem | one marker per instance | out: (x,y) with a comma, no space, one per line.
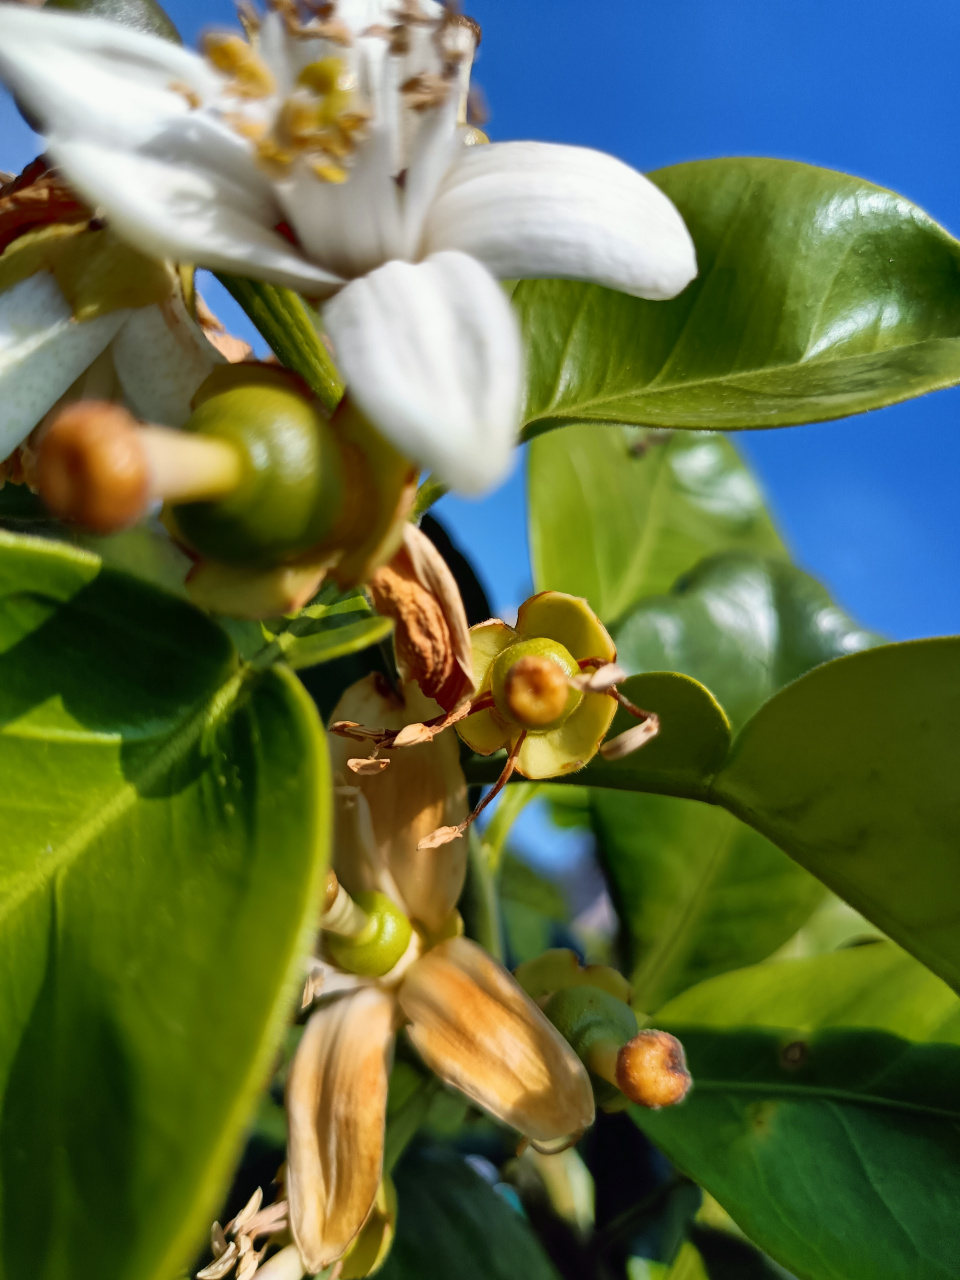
(478,902)
(430,491)
(406,1120)
(512,803)
(291,327)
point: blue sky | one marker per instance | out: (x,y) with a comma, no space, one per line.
(869,86)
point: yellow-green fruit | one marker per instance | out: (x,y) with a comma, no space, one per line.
(291,489)
(381,944)
(530,684)
(586,1016)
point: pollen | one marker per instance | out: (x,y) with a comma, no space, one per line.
(185,91)
(328,172)
(250,77)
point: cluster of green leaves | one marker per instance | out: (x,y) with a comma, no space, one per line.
(167,801)
(820,1117)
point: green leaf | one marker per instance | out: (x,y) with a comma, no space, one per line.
(744,625)
(166,821)
(697,891)
(687,1266)
(620,514)
(819,295)
(853,771)
(824,1115)
(292,328)
(141,15)
(333,626)
(452,1223)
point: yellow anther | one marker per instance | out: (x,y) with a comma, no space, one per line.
(250,75)
(322,77)
(327,172)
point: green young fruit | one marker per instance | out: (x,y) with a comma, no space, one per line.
(530,683)
(291,490)
(375,951)
(590,1019)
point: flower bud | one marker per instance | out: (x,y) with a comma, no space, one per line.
(644,1067)
(380,945)
(291,483)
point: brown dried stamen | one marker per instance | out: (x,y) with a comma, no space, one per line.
(443,835)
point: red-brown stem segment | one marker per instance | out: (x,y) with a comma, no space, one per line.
(443,835)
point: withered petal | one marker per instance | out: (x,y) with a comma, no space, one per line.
(336,1107)
(432,638)
(423,789)
(476,1028)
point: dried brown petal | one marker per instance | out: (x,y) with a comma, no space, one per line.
(432,638)
(36,198)
(381,819)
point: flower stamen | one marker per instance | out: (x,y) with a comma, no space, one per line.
(443,835)
(250,77)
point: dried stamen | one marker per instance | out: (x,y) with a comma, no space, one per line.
(443,835)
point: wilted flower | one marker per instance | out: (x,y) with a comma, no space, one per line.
(470,1021)
(330,155)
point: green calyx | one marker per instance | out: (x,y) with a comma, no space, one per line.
(292,485)
(530,684)
(590,1019)
(374,952)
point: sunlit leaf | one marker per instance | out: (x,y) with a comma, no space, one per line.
(619,514)
(165,830)
(819,295)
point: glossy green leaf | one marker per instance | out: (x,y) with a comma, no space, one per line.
(742,624)
(165,831)
(333,626)
(141,15)
(697,891)
(453,1224)
(688,1265)
(616,515)
(292,328)
(819,295)
(824,1115)
(729,1256)
(853,771)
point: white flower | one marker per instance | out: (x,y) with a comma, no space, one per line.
(347,132)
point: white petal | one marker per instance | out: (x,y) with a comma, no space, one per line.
(350,227)
(43,350)
(161,357)
(432,355)
(532,210)
(95,78)
(203,218)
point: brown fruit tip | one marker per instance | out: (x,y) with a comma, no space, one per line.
(92,469)
(652,1070)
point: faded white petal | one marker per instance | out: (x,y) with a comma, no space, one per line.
(531,210)
(474,1026)
(171,211)
(349,227)
(336,1110)
(43,351)
(96,79)
(162,356)
(432,355)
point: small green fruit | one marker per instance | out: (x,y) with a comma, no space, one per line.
(381,944)
(291,491)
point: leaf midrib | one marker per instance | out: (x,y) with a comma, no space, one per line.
(554,411)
